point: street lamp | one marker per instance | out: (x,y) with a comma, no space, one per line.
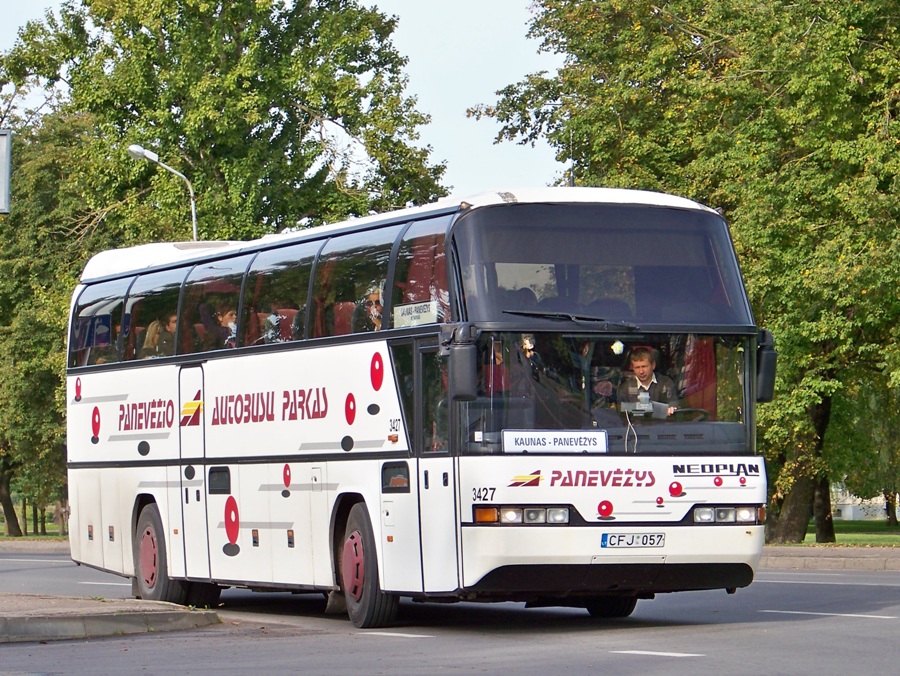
(139,153)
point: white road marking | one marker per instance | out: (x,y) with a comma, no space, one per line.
(803,612)
(826,582)
(58,563)
(654,653)
(108,584)
(394,634)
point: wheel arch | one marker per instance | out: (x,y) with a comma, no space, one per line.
(141,501)
(340,513)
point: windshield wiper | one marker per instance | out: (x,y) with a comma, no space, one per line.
(577,318)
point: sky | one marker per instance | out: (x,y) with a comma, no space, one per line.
(460,53)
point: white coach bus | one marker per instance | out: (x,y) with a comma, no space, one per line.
(442,403)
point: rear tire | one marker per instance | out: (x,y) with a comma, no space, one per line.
(367,605)
(203,595)
(151,565)
(611,606)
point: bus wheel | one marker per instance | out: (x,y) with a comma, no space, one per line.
(151,566)
(202,595)
(611,606)
(367,605)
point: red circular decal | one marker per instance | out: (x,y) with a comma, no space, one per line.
(95,422)
(350,409)
(605,508)
(77,389)
(232,520)
(659,500)
(287,476)
(717,481)
(377,371)
(675,489)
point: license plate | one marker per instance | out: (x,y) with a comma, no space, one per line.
(624,540)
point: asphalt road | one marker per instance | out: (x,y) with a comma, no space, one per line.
(786,622)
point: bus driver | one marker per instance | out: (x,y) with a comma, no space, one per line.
(643,378)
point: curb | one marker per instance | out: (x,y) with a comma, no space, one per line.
(51,618)
(831,558)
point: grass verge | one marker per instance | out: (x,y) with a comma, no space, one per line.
(859,534)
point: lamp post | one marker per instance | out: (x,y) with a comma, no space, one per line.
(139,153)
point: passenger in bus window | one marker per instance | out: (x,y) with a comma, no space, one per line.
(165,345)
(367,314)
(159,338)
(224,333)
(644,379)
(151,339)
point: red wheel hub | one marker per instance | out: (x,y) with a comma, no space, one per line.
(149,557)
(353,565)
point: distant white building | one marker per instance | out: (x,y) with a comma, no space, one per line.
(847,507)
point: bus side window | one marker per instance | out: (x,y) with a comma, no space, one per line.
(152,302)
(421,277)
(274,305)
(210,307)
(97,324)
(349,266)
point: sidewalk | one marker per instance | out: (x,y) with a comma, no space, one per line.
(26,617)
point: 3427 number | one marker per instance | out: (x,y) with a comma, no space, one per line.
(483,494)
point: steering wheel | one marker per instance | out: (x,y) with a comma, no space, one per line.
(690,415)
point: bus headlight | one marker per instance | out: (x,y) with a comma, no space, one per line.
(746,514)
(743,514)
(724,514)
(511,515)
(558,515)
(535,515)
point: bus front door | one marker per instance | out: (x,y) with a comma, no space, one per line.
(193,472)
(437,475)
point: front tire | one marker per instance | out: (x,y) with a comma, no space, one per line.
(367,605)
(611,606)
(151,565)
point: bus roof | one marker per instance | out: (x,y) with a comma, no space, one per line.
(139,258)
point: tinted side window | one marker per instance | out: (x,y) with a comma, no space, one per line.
(274,309)
(97,324)
(152,311)
(348,291)
(209,310)
(420,294)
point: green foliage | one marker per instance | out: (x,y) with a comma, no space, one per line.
(278,113)
(786,115)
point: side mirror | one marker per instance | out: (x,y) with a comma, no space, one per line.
(766,360)
(463,363)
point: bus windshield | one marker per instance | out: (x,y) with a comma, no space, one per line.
(533,386)
(638,264)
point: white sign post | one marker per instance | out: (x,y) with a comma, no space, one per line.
(5,168)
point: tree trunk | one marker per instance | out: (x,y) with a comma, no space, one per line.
(34,518)
(9,509)
(890,507)
(822,512)
(821,416)
(796,510)
(24,516)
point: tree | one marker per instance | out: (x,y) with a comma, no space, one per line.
(38,265)
(280,113)
(784,114)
